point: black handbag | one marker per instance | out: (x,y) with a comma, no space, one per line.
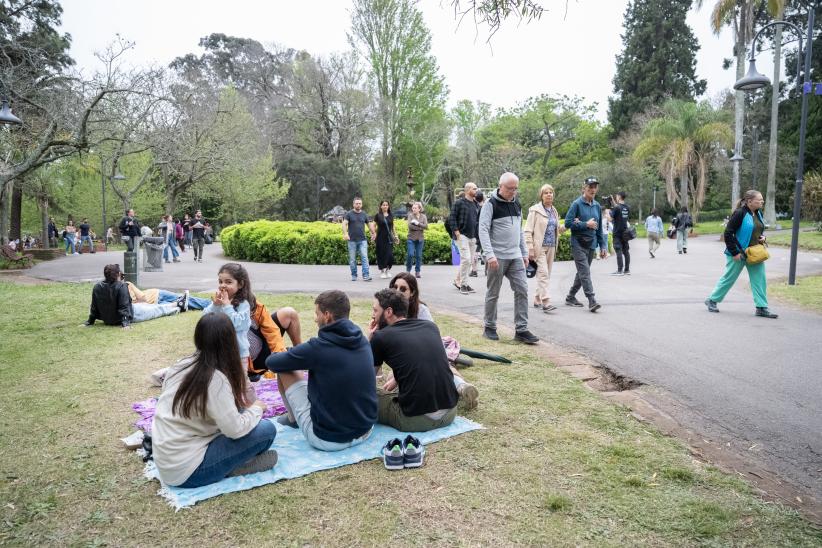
(629,234)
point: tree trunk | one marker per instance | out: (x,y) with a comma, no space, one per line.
(739,119)
(44,221)
(683,188)
(770,197)
(5,211)
(15,225)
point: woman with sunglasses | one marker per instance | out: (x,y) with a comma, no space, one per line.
(406,284)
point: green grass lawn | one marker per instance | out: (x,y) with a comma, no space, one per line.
(715,227)
(807,292)
(557,464)
(809,241)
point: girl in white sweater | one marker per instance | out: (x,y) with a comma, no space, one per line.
(204,429)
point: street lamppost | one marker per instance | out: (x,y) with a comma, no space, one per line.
(319,191)
(738,157)
(116,177)
(754,80)
(6,117)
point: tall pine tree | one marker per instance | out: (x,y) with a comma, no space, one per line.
(658,60)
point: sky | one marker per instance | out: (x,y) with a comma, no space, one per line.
(571,53)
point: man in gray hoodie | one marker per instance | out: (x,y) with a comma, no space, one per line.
(503,247)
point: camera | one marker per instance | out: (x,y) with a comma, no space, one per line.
(609,200)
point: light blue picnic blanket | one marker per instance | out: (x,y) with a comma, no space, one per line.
(297,458)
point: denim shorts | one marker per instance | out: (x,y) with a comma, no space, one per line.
(297,397)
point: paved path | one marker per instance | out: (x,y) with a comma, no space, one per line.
(749,381)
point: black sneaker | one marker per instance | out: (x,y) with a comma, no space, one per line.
(490,334)
(652,254)
(627,272)
(258,463)
(712,305)
(392,455)
(468,288)
(685,250)
(473,274)
(572,301)
(183,301)
(412,452)
(594,306)
(763,312)
(526,336)
(464,290)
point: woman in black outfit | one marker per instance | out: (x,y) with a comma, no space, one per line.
(385,238)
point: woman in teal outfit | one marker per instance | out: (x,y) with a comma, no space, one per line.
(745,228)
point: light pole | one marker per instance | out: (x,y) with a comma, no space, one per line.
(754,80)
(319,191)
(116,177)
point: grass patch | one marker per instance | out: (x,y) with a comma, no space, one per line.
(807,293)
(557,465)
(809,241)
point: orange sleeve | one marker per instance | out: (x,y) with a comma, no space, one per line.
(269,329)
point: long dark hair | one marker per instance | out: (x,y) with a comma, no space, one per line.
(244,293)
(379,216)
(217,350)
(414,298)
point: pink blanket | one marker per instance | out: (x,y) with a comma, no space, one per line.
(266,391)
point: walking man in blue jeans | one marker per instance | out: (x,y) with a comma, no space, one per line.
(353,227)
(584,218)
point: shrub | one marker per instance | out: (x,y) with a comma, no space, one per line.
(294,242)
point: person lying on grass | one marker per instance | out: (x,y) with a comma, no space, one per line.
(204,427)
(337,407)
(424,392)
(162,296)
(111,303)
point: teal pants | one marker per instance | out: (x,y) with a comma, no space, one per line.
(756,274)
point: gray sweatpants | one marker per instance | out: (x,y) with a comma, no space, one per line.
(582,260)
(514,270)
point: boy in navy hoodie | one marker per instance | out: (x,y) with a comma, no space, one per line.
(337,406)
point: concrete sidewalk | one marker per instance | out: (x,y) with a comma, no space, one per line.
(748,382)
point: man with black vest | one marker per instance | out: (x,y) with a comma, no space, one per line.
(503,248)
(620,214)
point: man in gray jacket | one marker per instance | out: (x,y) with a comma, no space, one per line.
(503,247)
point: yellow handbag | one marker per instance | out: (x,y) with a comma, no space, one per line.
(756,254)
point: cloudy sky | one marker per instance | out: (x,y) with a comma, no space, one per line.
(561,53)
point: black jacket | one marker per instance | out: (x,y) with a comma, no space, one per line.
(465,217)
(110,303)
(126,230)
(683,221)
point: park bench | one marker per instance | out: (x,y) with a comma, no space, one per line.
(10,255)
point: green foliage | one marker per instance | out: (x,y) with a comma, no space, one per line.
(812,197)
(295,242)
(540,138)
(658,60)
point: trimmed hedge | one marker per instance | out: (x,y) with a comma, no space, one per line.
(294,242)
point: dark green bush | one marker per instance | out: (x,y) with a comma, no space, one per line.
(294,242)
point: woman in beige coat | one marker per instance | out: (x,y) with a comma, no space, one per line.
(542,230)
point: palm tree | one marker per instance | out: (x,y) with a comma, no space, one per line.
(739,14)
(683,142)
(776,8)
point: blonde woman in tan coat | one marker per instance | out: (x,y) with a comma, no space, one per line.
(542,230)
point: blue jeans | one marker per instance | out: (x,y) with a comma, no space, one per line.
(414,253)
(69,239)
(189,237)
(225,454)
(194,303)
(172,244)
(83,240)
(353,249)
(144,312)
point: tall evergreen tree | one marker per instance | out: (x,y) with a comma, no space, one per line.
(658,60)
